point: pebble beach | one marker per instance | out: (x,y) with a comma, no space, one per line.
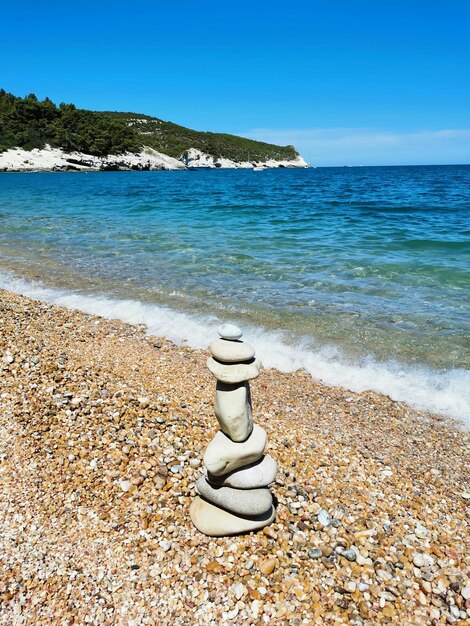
(103,429)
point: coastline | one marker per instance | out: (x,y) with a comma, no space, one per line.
(89,404)
(57,160)
(442,393)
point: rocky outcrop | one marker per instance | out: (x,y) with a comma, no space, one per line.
(195,159)
(56,160)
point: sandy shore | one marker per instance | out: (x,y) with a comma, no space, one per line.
(95,527)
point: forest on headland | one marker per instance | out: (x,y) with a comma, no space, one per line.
(32,123)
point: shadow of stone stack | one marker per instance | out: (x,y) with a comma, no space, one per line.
(233,492)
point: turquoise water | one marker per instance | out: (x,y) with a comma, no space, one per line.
(359,275)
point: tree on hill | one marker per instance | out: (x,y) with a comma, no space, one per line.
(31,123)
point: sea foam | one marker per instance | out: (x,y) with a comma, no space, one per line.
(444,392)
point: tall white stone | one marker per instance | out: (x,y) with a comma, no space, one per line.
(233,410)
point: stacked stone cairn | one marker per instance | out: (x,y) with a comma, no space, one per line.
(233,491)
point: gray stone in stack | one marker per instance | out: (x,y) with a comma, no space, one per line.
(248,502)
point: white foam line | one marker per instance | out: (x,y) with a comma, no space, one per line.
(445,392)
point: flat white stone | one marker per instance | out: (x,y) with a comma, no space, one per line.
(259,474)
(233,410)
(230,331)
(224,455)
(248,502)
(231,351)
(215,522)
(233,372)
(466,592)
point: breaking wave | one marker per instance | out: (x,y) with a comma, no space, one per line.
(445,392)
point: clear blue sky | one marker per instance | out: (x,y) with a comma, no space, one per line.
(356,82)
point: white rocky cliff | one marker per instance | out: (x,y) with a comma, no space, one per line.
(56,160)
(233,491)
(196,159)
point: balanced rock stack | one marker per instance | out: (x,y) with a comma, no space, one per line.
(233,492)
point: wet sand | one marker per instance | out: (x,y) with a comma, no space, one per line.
(95,526)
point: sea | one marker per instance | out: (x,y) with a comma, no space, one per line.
(358,275)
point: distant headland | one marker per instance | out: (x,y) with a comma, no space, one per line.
(38,135)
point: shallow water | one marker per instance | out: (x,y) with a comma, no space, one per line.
(359,275)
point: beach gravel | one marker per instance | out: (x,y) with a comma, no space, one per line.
(102,430)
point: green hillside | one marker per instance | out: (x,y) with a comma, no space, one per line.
(31,123)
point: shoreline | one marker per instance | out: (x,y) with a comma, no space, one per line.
(419,386)
(89,404)
(57,160)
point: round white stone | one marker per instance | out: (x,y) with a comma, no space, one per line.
(215,522)
(259,474)
(224,455)
(230,331)
(421,559)
(248,502)
(232,351)
(233,372)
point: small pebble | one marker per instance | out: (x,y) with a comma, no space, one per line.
(267,566)
(350,555)
(421,532)
(324,518)
(269,532)
(326,550)
(422,560)
(239,590)
(315,553)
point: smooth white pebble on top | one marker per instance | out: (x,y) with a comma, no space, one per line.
(230,332)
